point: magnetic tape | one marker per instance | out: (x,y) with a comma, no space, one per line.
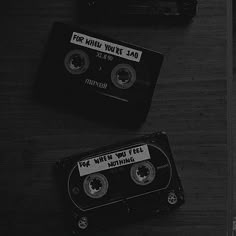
(96,75)
(134,178)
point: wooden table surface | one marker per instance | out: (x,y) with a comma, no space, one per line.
(189,103)
(233,104)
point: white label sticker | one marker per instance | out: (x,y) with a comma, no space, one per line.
(106,47)
(113,160)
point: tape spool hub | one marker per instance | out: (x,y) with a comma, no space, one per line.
(123,76)
(143,173)
(76,61)
(95,185)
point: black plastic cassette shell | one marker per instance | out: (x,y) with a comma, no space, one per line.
(147,203)
(52,87)
(133,10)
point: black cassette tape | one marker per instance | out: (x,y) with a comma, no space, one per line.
(106,9)
(120,182)
(95,75)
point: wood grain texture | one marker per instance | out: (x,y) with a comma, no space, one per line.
(233,109)
(189,103)
(234,144)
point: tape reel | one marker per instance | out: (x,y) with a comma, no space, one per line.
(95,185)
(123,76)
(143,173)
(76,61)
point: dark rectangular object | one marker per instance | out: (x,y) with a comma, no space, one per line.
(138,8)
(136,178)
(98,76)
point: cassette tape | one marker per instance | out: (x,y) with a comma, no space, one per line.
(136,8)
(120,182)
(97,76)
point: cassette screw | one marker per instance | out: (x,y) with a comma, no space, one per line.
(83,223)
(172,198)
(75,190)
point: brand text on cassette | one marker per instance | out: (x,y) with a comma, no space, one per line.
(113,160)
(105,46)
(96,83)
